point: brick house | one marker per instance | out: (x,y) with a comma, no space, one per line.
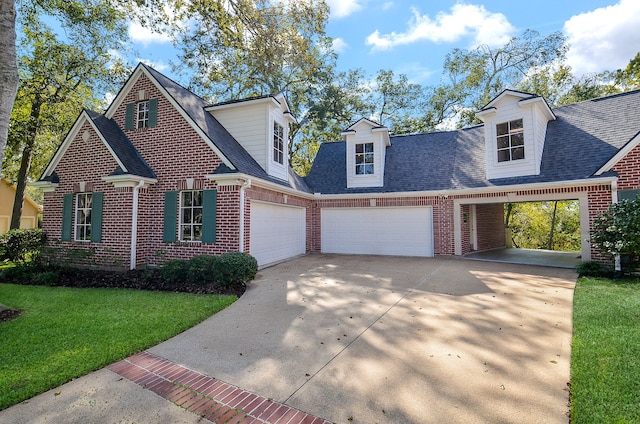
(163,174)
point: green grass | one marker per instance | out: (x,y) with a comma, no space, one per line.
(64,333)
(605,363)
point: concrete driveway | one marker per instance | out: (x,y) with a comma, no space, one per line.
(357,339)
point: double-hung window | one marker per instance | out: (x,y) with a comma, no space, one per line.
(190,224)
(142,114)
(83,216)
(510,137)
(278,143)
(364,158)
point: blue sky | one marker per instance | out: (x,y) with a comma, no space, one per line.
(412,37)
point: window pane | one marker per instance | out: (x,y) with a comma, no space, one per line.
(502,129)
(359,159)
(197,198)
(503,142)
(368,169)
(516,125)
(197,232)
(517,139)
(87,234)
(187,198)
(503,155)
(186,216)
(517,153)
(368,159)
(368,147)
(197,216)
(186,232)
(359,148)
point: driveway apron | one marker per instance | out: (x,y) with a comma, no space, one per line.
(364,339)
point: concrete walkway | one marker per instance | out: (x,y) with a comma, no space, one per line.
(354,339)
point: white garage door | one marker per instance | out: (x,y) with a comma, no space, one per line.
(277,232)
(402,231)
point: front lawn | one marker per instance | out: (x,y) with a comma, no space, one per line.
(64,333)
(605,360)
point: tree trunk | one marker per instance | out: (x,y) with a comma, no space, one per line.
(25,163)
(553,226)
(8,69)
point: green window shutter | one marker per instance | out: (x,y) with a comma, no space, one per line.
(129,118)
(628,194)
(96,217)
(153,112)
(170,216)
(209,204)
(67,216)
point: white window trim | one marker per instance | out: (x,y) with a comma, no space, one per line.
(142,122)
(281,138)
(181,224)
(77,225)
(510,148)
(373,156)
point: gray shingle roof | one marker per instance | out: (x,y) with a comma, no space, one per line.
(194,107)
(584,137)
(121,146)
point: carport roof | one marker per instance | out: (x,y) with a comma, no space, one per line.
(578,143)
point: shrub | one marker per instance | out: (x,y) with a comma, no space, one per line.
(20,245)
(594,269)
(235,268)
(202,270)
(174,271)
(617,231)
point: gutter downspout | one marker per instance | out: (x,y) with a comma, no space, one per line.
(245,184)
(134,224)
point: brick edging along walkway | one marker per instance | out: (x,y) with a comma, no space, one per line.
(206,396)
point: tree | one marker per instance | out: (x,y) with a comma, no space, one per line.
(475,76)
(553,225)
(617,231)
(58,74)
(8,68)
(395,101)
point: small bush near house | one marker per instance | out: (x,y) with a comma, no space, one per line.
(19,245)
(594,269)
(235,268)
(226,274)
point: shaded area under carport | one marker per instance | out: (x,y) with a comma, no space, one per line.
(552,258)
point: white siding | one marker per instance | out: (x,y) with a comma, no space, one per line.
(248,125)
(393,231)
(363,134)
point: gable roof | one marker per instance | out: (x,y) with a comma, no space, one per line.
(122,150)
(121,147)
(234,156)
(583,137)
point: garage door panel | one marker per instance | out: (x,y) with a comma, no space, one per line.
(277,232)
(403,231)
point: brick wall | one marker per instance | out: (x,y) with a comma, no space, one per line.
(628,170)
(490,225)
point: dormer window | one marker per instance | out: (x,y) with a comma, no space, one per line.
(364,158)
(510,137)
(278,143)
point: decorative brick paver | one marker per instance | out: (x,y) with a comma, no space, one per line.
(206,396)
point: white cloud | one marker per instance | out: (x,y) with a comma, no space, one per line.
(339,45)
(605,38)
(387,5)
(462,21)
(157,65)
(343,8)
(146,36)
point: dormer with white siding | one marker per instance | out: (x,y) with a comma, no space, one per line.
(261,126)
(366,147)
(515,126)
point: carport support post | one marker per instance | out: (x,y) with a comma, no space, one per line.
(245,184)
